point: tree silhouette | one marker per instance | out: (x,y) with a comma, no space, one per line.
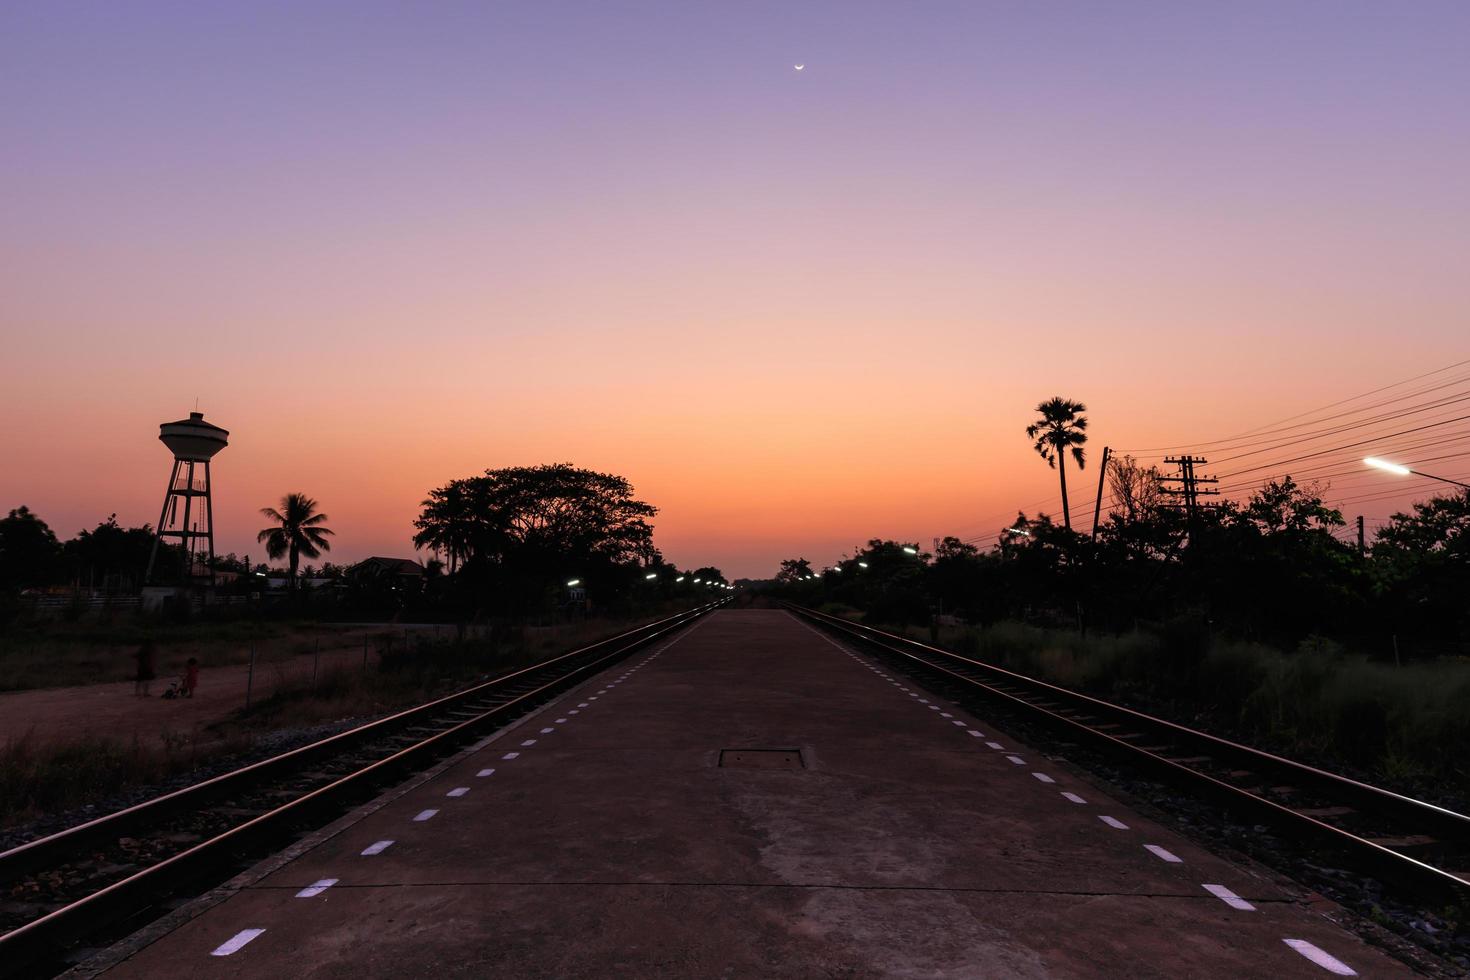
(1062,427)
(298,531)
(449,521)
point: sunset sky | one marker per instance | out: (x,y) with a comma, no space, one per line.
(387,245)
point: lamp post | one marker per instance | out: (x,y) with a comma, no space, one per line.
(1400,470)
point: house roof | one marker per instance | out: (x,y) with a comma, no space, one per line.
(398,566)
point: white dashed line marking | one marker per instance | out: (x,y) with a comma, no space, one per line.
(958,722)
(239,939)
(547,731)
(528,742)
(377,848)
(996,745)
(485,772)
(933,707)
(1073,797)
(458,791)
(582,705)
(1016,760)
(511,755)
(1114,822)
(1230,898)
(312,891)
(1323,959)
(559,721)
(424,815)
(1043,777)
(975,733)
(574,711)
(945,714)
(922,701)
(1163,854)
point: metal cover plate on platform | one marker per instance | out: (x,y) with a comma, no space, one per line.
(761,759)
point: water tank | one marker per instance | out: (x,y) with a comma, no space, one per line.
(193,438)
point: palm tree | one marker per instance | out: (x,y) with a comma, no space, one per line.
(447,523)
(1062,426)
(299,531)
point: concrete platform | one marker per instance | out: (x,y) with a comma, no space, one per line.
(614,844)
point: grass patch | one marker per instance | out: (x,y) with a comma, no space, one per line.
(66,654)
(1406,726)
(42,777)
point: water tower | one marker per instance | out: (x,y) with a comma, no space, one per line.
(188,509)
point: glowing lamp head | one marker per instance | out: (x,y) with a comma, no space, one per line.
(573,582)
(1383,464)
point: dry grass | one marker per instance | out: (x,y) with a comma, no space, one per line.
(67,654)
(38,777)
(42,777)
(1406,726)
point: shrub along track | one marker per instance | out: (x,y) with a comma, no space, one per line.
(1411,853)
(110,875)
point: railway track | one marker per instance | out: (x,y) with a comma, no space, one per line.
(110,875)
(1416,849)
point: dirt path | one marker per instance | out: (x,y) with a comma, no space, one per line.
(114,710)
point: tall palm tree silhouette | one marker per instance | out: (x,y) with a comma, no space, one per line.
(1062,427)
(298,531)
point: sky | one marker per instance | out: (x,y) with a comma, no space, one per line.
(391,244)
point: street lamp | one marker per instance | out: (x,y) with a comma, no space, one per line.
(862,564)
(1018,530)
(910,551)
(679,579)
(1400,470)
(651,576)
(573,582)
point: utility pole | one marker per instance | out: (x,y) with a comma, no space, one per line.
(1189,492)
(1102,472)
(1362,547)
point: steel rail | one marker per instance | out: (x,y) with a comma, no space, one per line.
(1424,880)
(50,933)
(43,851)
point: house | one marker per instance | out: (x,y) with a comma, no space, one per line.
(408,574)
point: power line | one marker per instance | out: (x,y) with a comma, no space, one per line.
(1259,429)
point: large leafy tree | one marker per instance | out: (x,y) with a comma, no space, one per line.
(794,570)
(29,552)
(522,531)
(1061,429)
(298,531)
(110,555)
(1421,565)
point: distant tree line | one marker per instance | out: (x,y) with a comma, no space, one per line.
(513,542)
(1270,568)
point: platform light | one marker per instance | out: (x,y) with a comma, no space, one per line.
(697,581)
(651,576)
(1018,530)
(862,564)
(1383,464)
(679,579)
(572,582)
